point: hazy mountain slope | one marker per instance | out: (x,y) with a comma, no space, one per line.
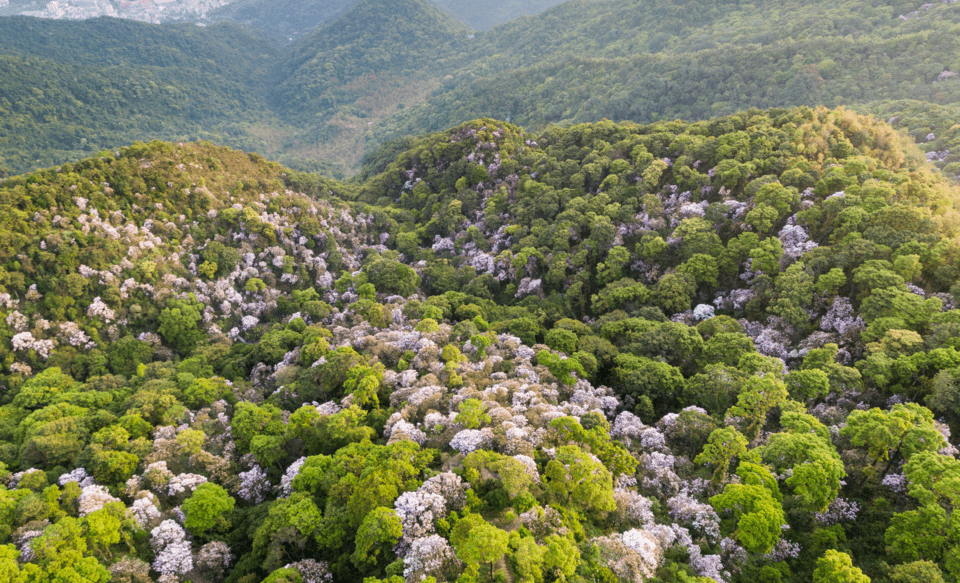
(694,85)
(290,19)
(240,54)
(374,37)
(383,70)
(484,14)
(344,77)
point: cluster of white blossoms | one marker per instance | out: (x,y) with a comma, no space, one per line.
(25,341)
(632,556)
(418,512)
(470,440)
(312,571)
(93,498)
(98,309)
(78,475)
(214,557)
(428,556)
(286,481)
(184,483)
(145,511)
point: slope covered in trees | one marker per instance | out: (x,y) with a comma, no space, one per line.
(722,350)
(586,61)
(399,37)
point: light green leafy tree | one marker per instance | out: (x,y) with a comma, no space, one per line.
(903,431)
(378,533)
(837,567)
(758,397)
(529,559)
(577,478)
(922,534)
(722,446)
(483,543)
(758,515)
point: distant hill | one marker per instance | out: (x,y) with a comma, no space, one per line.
(485,14)
(290,19)
(72,88)
(293,19)
(374,37)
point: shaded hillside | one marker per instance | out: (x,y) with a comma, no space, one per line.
(587,61)
(385,70)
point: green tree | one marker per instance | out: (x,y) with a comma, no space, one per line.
(889,436)
(561,557)
(674,292)
(576,477)
(44,389)
(562,368)
(392,277)
(758,397)
(933,478)
(473,414)
(561,340)
(378,533)
(207,508)
(722,446)
(917,572)
(180,324)
(817,470)
(836,567)
(922,534)
(484,543)
(529,560)
(757,513)
(807,384)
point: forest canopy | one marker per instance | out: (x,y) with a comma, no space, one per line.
(722,350)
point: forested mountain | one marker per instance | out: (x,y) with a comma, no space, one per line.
(585,61)
(678,352)
(385,70)
(375,37)
(72,88)
(292,19)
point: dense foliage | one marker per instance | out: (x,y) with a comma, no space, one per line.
(723,350)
